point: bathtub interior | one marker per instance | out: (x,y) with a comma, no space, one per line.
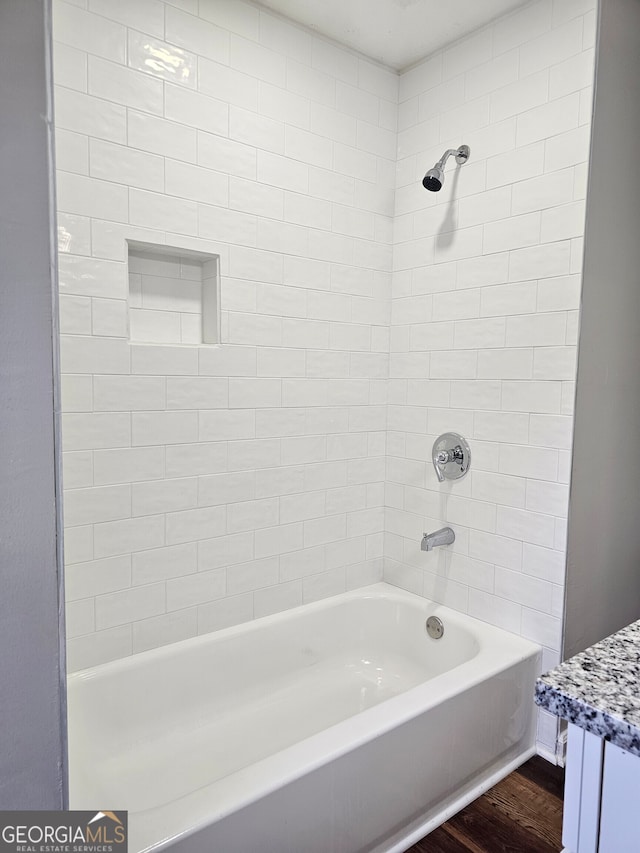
(167,723)
(377,637)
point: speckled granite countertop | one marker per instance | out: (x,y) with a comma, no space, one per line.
(599,689)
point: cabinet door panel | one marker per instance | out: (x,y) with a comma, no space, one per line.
(619,820)
(582,792)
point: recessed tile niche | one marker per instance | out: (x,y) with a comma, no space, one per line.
(173,295)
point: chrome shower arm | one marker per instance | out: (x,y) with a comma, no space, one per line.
(452,152)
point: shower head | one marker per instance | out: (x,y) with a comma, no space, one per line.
(434,178)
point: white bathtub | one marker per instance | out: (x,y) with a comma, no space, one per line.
(337,727)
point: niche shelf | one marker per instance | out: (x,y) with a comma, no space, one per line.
(173,295)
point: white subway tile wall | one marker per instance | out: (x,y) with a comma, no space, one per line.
(207,485)
(360,316)
(486,288)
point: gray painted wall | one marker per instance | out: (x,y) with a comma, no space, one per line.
(603,568)
(31,745)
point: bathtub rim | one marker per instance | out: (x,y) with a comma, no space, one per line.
(284,767)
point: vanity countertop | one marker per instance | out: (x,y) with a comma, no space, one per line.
(599,689)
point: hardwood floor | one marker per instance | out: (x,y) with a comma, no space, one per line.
(521,814)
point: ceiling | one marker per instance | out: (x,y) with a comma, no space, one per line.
(394,32)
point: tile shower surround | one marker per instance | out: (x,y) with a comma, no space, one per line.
(360,316)
(208,485)
(484,319)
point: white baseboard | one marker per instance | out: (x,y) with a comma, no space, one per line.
(546,753)
(561,745)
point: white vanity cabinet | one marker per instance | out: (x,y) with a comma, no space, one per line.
(597,692)
(602,796)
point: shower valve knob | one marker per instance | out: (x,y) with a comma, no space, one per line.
(450,455)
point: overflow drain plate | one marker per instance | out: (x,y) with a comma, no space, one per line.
(435,628)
